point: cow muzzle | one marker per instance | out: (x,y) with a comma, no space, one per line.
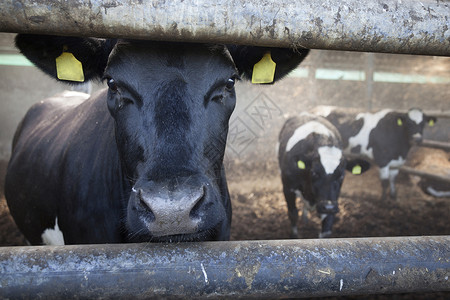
(416,139)
(170,212)
(327,207)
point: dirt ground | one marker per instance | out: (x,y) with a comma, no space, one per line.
(259,209)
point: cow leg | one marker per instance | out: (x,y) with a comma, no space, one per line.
(292,211)
(327,225)
(392,175)
(384,177)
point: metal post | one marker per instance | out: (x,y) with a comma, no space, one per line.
(369,80)
(413,27)
(247,269)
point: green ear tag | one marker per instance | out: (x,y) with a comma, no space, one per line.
(264,70)
(431,123)
(356,170)
(69,68)
(399,122)
(301,165)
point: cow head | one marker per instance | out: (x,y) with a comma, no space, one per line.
(412,124)
(171,103)
(324,171)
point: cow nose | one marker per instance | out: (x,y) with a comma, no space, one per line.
(171,211)
(417,138)
(327,207)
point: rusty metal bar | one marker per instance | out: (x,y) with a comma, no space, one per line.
(413,27)
(240,269)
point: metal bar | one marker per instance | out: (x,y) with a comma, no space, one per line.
(439,114)
(435,144)
(240,269)
(413,27)
(415,172)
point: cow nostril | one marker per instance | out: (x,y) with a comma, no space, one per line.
(145,205)
(195,211)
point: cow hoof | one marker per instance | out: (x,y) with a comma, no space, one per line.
(294,233)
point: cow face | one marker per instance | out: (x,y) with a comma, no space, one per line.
(412,124)
(324,175)
(171,103)
(171,128)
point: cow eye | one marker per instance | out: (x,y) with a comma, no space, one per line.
(112,85)
(230,83)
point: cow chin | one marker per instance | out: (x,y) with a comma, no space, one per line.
(201,236)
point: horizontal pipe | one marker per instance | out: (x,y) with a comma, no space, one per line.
(239,269)
(412,27)
(435,144)
(412,171)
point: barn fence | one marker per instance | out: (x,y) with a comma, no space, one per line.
(411,27)
(238,269)
(292,268)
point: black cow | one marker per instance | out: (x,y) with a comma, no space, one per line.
(384,137)
(140,161)
(312,168)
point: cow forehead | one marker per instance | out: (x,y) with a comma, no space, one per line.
(306,129)
(330,158)
(177,55)
(144,66)
(416,115)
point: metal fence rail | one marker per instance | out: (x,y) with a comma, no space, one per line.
(414,27)
(244,269)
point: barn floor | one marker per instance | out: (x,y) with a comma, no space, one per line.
(259,209)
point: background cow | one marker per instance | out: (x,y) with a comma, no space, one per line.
(139,161)
(384,137)
(312,168)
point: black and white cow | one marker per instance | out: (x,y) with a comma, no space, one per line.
(383,137)
(312,168)
(139,161)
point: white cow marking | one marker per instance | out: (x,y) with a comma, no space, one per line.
(323,111)
(330,158)
(53,236)
(362,138)
(306,129)
(416,115)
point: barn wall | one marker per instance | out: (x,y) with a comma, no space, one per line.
(261,110)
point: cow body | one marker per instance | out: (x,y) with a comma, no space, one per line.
(384,137)
(140,161)
(312,167)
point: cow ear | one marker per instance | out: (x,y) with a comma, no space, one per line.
(357,166)
(272,64)
(431,120)
(70,59)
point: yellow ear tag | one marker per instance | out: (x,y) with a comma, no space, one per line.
(356,170)
(431,123)
(399,122)
(301,165)
(264,70)
(69,68)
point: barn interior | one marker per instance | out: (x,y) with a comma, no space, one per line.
(369,81)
